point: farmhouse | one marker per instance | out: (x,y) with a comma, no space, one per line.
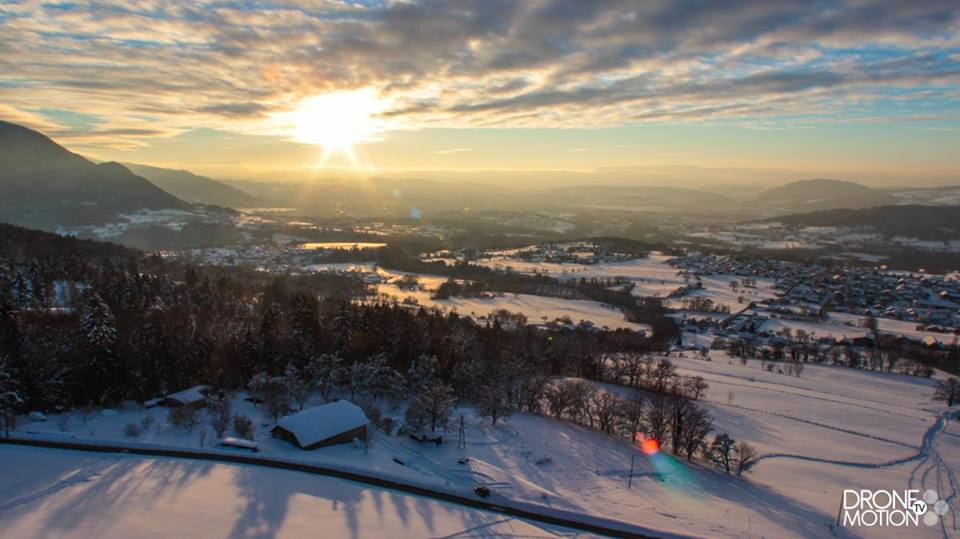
(195,397)
(334,423)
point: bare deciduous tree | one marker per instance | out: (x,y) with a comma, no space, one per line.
(744,455)
(947,391)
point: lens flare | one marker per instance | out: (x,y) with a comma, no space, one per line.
(649,446)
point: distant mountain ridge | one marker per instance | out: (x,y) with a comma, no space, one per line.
(195,188)
(823,194)
(46,186)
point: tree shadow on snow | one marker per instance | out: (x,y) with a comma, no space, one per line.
(266,496)
(115,482)
(706,485)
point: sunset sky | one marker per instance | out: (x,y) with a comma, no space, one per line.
(262,89)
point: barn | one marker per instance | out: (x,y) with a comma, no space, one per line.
(337,422)
(195,397)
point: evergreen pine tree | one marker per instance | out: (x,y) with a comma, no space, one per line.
(101,378)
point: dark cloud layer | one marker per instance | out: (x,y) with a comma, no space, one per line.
(484,62)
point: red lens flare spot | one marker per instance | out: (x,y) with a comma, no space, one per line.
(649,446)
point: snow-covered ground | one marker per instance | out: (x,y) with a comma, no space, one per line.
(652,275)
(717,289)
(829,429)
(537,309)
(834,428)
(65,494)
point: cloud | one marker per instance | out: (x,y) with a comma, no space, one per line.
(235,109)
(154,68)
(451,151)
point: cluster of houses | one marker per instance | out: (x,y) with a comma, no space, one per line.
(929,300)
(827,307)
(337,422)
(932,301)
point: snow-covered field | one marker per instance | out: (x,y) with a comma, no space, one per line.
(537,309)
(717,289)
(49,493)
(834,428)
(829,429)
(652,276)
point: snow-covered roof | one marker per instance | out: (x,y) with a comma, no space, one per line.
(323,422)
(187,396)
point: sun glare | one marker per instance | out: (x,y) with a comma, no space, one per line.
(336,121)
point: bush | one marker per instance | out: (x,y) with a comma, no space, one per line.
(243,427)
(184,417)
(132,430)
(146,422)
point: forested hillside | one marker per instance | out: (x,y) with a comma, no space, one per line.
(135,327)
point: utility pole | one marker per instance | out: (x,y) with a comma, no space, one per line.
(633,458)
(462,439)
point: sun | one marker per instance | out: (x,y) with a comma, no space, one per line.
(335,121)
